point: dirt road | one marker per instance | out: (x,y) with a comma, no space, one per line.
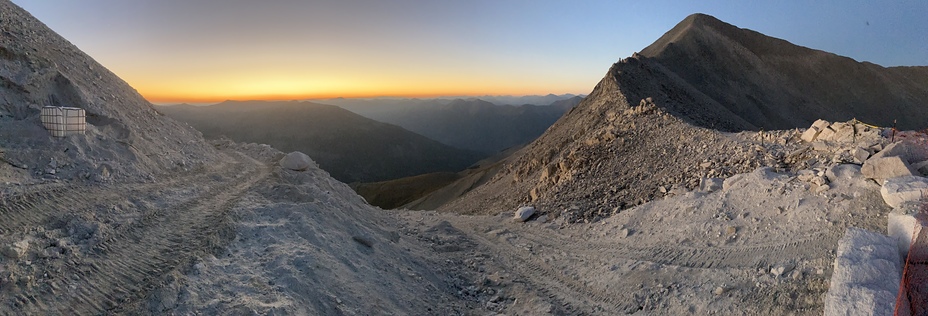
(110,244)
(740,251)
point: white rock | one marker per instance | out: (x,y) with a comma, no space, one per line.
(886,167)
(842,173)
(860,155)
(777,271)
(826,134)
(899,190)
(16,250)
(810,134)
(909,152)
(805,175)
(296,161)
(843,132)
(821,124)
(866,275)
(523,213)
(902,225)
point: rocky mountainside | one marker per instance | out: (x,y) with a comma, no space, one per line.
(472,124)
(350,147)
(132,216)
(752,81)
(125,137)
(658,124)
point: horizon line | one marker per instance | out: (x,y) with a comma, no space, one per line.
(166,100)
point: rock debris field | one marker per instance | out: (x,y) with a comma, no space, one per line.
(247,235)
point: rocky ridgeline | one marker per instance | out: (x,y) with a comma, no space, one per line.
(572,186)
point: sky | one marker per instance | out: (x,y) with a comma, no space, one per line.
(214,50)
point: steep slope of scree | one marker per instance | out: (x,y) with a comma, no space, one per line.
(125,137)
(774,84)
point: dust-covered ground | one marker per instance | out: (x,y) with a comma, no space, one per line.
(246,236)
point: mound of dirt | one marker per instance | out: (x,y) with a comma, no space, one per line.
(125,137)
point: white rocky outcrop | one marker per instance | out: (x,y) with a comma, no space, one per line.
(296,161)
(902,224)
(866,275)
(881,168)
(899,190)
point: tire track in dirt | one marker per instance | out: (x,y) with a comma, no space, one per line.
(720,257)
(123,268)
(550,274)
(575,297)
(35,206)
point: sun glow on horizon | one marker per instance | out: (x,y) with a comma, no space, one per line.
(188,51)
(267,86)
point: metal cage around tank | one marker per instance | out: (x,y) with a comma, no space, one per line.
(64,121)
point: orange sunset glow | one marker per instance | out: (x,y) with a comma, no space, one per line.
(205,51)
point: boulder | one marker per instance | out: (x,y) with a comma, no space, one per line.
(809,135)
(296,161)
(843,172)
(821,124)
(826,134)
(880,168)
(866,275)
(921,167)
(860,155)
(903,223)
(710,184)
(523,213)
(899,190)
(908,151)
(814,131)
(16,250)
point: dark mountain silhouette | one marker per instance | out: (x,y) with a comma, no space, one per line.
(350,147)
(470,124)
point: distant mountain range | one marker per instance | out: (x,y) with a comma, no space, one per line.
(473,124)
(350,147)
(495,99)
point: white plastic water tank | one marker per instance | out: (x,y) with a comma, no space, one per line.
(63,121)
